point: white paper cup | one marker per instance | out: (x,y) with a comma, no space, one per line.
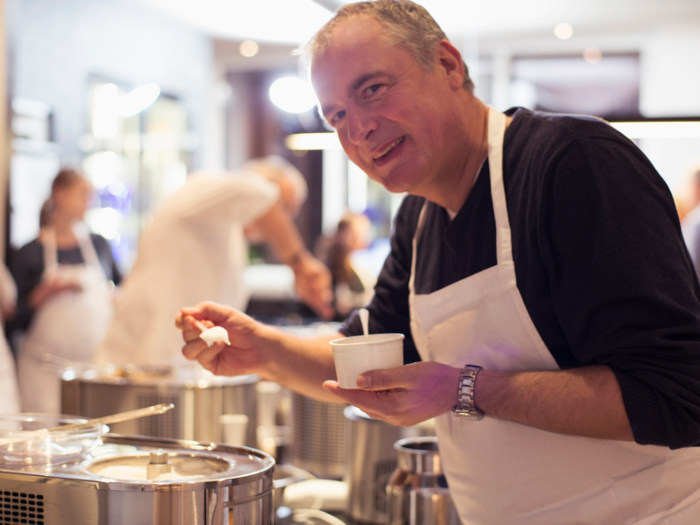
(234,427)
(356,355)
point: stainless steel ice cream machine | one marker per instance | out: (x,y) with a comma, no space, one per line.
(88,477)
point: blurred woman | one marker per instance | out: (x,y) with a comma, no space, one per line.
(63,279)
(353,286)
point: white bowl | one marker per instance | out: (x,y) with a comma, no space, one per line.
(356,355)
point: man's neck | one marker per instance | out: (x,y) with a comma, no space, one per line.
(456,190)
(471,152)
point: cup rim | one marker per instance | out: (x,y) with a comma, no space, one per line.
(342,343)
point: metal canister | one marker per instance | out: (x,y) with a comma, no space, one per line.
(371,459)
(417,493)
(318,436)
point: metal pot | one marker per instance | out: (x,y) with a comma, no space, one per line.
(319,437)
(371,460)
(417,492)
(199,398)
(202,483)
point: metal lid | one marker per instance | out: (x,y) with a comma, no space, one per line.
(197,466)
(162,376)
(135,467)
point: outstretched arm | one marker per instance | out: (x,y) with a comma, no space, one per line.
(302,364)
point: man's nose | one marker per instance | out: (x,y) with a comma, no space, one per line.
(360,126)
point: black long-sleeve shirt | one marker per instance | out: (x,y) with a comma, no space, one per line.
(599,259)
(27,267)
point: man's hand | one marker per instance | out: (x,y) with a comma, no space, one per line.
(313,283)
(403,396)
(243,356)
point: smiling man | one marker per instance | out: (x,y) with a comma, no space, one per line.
(538,272)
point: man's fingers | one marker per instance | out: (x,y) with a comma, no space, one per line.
(207,311)
(366,400)
(210,354)
(193,349)
(197,350)
(384,379)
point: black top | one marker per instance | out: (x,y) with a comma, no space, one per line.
(27,267)
(599,260)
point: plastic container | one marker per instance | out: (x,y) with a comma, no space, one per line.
(356,355)
(24,438)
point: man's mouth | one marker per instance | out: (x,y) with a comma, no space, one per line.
(389,148)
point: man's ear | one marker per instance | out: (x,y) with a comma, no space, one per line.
(450,64)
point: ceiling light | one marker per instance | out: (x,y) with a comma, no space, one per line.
(249,48)
(292,94)
(563,31)
(312,141)
(138,100)
(592,55)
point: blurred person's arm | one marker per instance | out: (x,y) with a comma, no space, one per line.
(8,293)
(312,278)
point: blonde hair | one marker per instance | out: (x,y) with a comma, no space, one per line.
(407,25)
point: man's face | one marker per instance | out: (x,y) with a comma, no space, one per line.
(392,117)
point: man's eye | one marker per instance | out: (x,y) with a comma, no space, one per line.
(373,88)
(337,117)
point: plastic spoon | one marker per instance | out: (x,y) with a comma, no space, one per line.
(212,335)
(117,418)
(364,317)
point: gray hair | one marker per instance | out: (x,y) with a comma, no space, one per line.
(275,168)
(407,24)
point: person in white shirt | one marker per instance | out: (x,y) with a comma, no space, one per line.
(195,249)
(9,394)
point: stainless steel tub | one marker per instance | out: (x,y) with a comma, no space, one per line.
(199,398)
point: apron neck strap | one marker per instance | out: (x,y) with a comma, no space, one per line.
(496,130)
(50,251)
(87,249)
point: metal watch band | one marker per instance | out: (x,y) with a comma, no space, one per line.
(465,406)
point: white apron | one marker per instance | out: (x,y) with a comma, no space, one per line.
(500,472)
(69,325)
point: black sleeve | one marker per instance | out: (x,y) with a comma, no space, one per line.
(27,267)
(388,310)
(623,285)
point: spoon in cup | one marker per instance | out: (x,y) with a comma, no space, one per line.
(364,318)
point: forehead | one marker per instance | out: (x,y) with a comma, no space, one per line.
(357,46)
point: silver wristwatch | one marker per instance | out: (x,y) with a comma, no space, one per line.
(465,406)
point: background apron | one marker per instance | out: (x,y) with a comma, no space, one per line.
(69,325)
(9,395)
(500,472)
